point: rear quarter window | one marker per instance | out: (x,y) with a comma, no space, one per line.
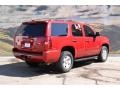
(59,29)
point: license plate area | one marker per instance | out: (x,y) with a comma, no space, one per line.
(27,45)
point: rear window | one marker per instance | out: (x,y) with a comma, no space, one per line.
(59,29)
(32,29)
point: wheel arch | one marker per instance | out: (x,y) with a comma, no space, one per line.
(70,49)
(107,45)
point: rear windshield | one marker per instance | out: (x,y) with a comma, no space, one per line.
(32,29)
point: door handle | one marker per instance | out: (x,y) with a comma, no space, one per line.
(87,41)
(74,41)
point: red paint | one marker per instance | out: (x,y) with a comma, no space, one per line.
(48,48)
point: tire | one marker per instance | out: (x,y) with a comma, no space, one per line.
(102,57)
(32,64)
(65,62)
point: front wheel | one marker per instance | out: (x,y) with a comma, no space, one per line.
(65,62)
(102,57)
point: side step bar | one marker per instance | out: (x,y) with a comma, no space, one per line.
(86,58)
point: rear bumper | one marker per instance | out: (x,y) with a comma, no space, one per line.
(47,56)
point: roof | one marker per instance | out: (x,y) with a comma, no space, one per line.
(54,19)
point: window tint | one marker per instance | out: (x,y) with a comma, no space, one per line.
(76,30)
(88,31)
(33,30)
(59,29)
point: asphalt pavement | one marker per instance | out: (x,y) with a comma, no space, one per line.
(14,71)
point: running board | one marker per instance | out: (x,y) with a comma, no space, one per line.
(86,58)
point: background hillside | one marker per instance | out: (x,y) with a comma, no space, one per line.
(104,18)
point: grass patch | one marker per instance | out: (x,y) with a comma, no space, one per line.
(4,36)
(115,52)
(5,49)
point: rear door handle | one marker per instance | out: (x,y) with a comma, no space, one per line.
(87,41)
(74,41)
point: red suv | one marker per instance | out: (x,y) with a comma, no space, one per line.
(60,42)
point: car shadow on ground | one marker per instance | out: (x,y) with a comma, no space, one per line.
(20,69)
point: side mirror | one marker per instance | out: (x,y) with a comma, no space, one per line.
(97,34)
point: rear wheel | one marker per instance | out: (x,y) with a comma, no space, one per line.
(102,57)
(32,64)
(66,61)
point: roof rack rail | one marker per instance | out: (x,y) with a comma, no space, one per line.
(58,19)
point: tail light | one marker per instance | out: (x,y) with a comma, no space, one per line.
(48,44)
(31,40)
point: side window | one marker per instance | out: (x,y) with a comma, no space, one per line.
(88,31)
(76,30)
(59,29)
